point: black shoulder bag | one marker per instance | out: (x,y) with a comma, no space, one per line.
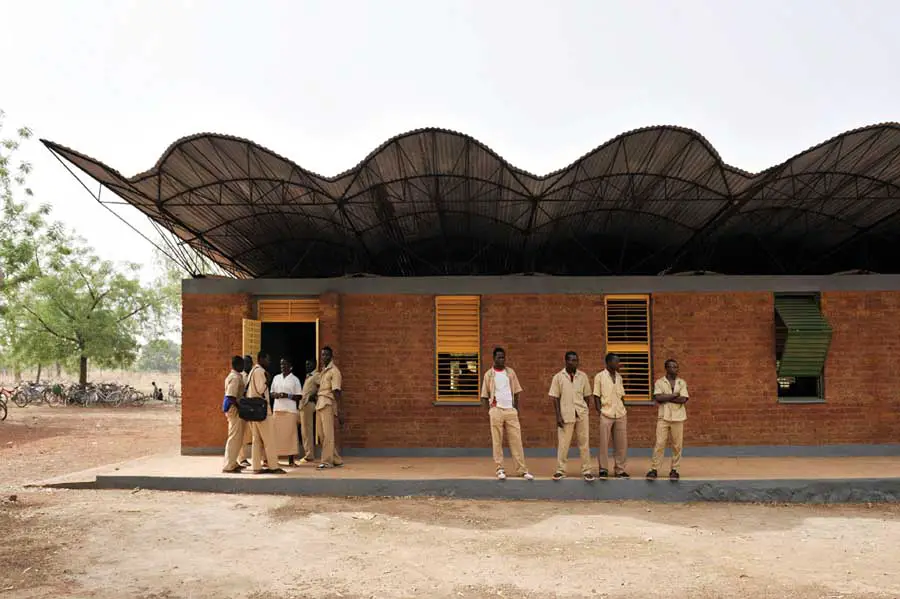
(252,409)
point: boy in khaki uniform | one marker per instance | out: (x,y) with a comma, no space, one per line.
(671,393)
(609,395)
(500,392)
(308,411)
(244,455)
(569,392)
(234,390)
(263,432)
(328,407)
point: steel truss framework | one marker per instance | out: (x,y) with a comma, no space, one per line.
(435,202)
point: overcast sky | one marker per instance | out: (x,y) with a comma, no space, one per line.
(325,82)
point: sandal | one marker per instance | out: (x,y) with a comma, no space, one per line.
(557,476)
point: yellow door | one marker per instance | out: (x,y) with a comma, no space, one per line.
(252,337)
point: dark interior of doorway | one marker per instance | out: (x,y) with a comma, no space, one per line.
(293,340)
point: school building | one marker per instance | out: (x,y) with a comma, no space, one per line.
(778,292)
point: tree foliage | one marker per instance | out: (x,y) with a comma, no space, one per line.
(21,229)
(160,355)
(87,309)
(59,302)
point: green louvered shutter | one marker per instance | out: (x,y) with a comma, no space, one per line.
(808,336)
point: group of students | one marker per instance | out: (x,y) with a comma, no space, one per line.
(293,405)
(292,408)
(571,394)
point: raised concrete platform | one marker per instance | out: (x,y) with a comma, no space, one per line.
(741,479)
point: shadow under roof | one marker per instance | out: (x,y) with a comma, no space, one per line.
(436,202)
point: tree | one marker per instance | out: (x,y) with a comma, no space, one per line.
(84,308)
(160,355)
(21,228)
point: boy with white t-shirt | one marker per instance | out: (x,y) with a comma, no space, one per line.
(500,391)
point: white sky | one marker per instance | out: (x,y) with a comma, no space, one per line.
(323,83)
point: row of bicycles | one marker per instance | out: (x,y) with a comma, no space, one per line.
(104,394)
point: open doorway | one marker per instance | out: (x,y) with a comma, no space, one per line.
(294,340)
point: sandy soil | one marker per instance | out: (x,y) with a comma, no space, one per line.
(113,544)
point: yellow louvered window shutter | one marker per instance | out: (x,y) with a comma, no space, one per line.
(297,310)
(457,348)
(628,335)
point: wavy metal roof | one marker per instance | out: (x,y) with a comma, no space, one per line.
(437,202)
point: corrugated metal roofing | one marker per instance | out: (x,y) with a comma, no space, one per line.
(433,201)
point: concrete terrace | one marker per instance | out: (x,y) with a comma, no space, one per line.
(739,479)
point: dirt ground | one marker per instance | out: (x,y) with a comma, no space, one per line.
(148,545)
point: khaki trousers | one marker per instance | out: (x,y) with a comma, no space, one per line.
(246,444)
(325,422)
(664,430)
(307,416)
(263,442)
(581,428)
(616,429)
(235,440)
(506,420)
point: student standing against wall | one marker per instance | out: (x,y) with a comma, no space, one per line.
(500,392)
(671,393)
(328,407)
(609,397)
(569,392)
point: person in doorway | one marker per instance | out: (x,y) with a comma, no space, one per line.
(500,392)
(569,392)
(671,393)
(328,407)
(246,446)
(234,390)
(286,391)
(308,411)
(609,396)
(263,432)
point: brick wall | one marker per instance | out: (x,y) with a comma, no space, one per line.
(211,334)
(862,380)
(725,347)
(723,341)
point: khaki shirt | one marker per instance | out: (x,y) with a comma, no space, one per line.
(488,391)
(245,376)
(329,381)
(310,388)
(257,385)
(611,393)
(572,394)
(671,412)
(234,385)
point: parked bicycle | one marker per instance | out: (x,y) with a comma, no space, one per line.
(5,394)
(27,393)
